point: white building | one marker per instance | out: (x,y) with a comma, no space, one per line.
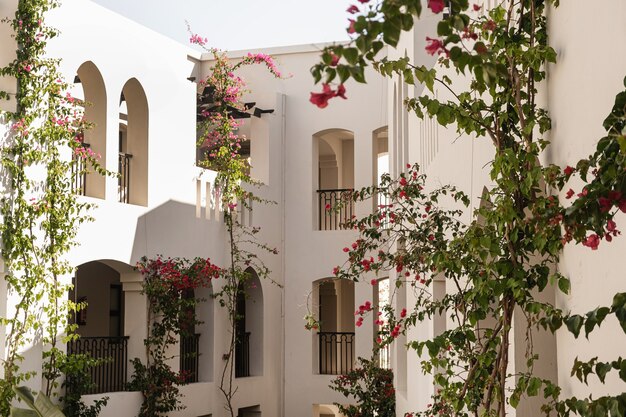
(144,102)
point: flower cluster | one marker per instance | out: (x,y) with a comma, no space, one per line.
(321,99)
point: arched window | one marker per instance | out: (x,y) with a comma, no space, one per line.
(133,145)
(100,325)
(333,177)
(90,89)
(249,327)
(336,337)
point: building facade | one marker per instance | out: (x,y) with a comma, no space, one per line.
(142,89)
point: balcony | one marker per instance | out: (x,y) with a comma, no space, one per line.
(336,207)
(110,375)
(242,355)
(189,357)
(123,181)
(336,352)
(79,171)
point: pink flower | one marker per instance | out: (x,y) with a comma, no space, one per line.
(436,6)
(622,205)
(352,9)
(351,28)
(341,91)
(197,40)
(568,170)
(610,226)
(346,249)
(336,270)
(403,181)
(403,313)
(569,194)
(476,7)
(592,241)
(374,281)
(435,46)
(605,204)
(321,99)
(364,1)
(334,60)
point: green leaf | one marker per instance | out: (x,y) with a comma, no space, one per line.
(564,285)
(602,369)
(351,55)
(574,324)
(533,386)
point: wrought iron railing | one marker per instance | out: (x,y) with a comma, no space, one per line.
(123,181)
(79,172)
(190,357)
(242,355)
(336,352)
(110,374)
(336,207)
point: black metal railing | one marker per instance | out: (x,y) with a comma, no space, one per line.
(112,352)
(242,355)
(190,357)
(336,207)
(79,170)
(336,350)
(123,181)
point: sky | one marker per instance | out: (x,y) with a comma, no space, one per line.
(241,24)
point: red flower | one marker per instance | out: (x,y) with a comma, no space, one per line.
(435,5)
(569,194)
(336,270)
(402,194)
(615,195)
(490,25)
(364,1)
(346,249)
(373,281)
(321,99)
(334,59)
(592,242)
(476,7)
(351,28)
(568,170)
(352,9)
(341,91)
(610,226)
(403,181)
(622,205)
(605,204)
(435,46)
(403,313)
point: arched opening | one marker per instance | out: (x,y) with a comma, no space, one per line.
(335,340)
(326,410)
(204,333)
(380,160)
(90,89)
(133,145)
(333,177)
(100,325)
(249,327)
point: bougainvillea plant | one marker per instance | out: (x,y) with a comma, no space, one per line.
(218,134)
(166,285)
(504,261)
(40,208)
(371,387)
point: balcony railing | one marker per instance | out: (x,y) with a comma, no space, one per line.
(336,350)
(331,218)
(79,172)
(190,356)
(110,375)
(123,181)
(242,355)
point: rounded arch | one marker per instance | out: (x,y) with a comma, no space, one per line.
(333,176)
(133,144)
(249,326)
(94,96)
(334,344)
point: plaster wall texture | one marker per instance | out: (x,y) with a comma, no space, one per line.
(177,218)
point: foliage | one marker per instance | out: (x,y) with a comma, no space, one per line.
(233,182)
(37,407)
(78,381)
(372,389)
(166,284)
(505,259)
(41,212)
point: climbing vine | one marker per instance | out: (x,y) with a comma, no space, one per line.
(169,286)
(222,153)
(499,266)
(40,209)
